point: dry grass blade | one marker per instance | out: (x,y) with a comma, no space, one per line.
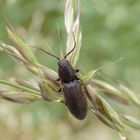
(52,85)
(132,97)
(78,38)
(49,73)
(68,16)
(19,97)
(106,86)
(46,94)
(131,121)
(22,47)
(101,107)
(86,78)
(110,91)
(19,87)
(27,84)
(13,52)
(103,118)
(74,34)
(68,25)
(45,90)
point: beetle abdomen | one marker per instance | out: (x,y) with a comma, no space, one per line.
(75,99)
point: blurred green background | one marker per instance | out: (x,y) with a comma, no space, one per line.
(111,30)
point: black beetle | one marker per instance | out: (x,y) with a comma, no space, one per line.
(74,96)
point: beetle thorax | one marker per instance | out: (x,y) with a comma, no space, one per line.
(66,71)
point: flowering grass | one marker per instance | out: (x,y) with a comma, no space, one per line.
(21,91)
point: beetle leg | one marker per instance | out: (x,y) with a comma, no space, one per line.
(76,78)
(59,90)
(58,79)
(77,70)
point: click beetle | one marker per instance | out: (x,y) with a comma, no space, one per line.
(72,89)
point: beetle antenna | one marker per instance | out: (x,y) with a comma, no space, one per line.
(72,48)
(46,52)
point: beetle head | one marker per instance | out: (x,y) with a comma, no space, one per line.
(63,62)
